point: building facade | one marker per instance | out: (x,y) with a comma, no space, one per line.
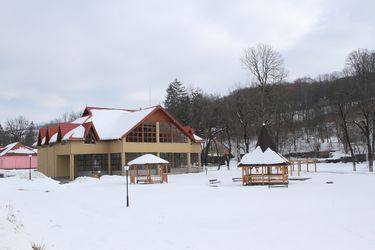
(104,140)
(17,156)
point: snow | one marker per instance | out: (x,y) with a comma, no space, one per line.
(187,213)
(53,138)
(81,120)
(258,157)
(22,151)
(7,148)
(147,159)
(197,138)
(76,133)
(113,124)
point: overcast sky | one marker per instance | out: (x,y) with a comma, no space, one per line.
(59,56)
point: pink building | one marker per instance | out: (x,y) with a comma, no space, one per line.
(17,156)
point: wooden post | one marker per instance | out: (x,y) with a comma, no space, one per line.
(307,165)
(263,175)
(291,169)
(188,162)
(299,167)
(315,166)
(71,167)
(293,166)
(148,174)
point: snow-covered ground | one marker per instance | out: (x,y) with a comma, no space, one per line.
(187,213)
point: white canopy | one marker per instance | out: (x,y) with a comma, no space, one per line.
(147,159)
(260,158)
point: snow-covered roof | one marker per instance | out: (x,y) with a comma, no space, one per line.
(147,159)
(76,133)
(17,148)
(260,158)
(197,138)
(113,124)
(106,124)
(53,138)
(81,120)
(7,148)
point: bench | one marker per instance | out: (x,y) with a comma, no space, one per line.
(214,181)
(237,179)
(277,185)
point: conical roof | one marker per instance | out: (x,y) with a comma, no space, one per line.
(264,140)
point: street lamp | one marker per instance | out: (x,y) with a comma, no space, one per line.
(127,185)
(30,167)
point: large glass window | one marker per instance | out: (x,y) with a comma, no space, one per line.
(170,133)
(143,133)
(176,160)
(92,162)
(116,161)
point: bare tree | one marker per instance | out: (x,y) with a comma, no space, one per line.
(16,128)
(266,65)
(361,66)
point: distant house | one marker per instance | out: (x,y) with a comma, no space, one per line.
(105,139)
(217,152)
(17,156)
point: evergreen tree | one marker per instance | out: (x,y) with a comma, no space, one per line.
(3,137)
(30,136)
(177,101)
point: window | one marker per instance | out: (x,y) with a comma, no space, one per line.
(176,160)
(116,161)
(92,162)
(90,138)
(170,133)
(143,133)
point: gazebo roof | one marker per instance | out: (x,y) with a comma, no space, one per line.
(260,158)
(147,159)
(264,140)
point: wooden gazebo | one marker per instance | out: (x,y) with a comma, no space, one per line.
(264,166)
(148,169)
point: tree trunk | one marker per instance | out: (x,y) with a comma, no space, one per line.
(369,153)
(344,126)
(364,127)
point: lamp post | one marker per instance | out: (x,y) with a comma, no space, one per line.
(30,167)
(127,186)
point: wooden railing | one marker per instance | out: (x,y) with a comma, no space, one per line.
(265,179)
(149,179)
(298,165)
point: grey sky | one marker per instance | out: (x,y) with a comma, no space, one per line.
(58,56)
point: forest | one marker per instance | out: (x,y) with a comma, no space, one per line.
(335,110)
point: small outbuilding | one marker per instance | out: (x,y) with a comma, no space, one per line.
(17,156)
(148,169)
(264,166)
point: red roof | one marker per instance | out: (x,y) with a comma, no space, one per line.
(88,126)
(64,128)
(42,134)
(51,130)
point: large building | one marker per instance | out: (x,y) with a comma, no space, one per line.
(106,139)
